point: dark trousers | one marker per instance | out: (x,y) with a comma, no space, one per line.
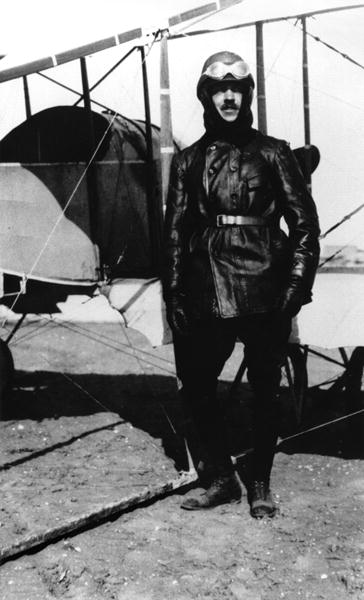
(200,359)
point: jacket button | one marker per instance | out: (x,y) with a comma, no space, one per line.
(213,147)
(211,170)
(233,168)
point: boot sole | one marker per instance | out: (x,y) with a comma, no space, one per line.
(237,501)
(264,515)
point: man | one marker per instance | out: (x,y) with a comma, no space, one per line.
(231,272)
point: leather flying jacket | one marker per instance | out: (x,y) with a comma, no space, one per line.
(237,269)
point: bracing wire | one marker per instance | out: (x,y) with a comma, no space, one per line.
(147,357)
(139,362)
(150,389)
(61,216)
(320,91)
(342,220)
(306,431)
(67,204)
(331,47)
(322,425)
(334,255)
(81,388)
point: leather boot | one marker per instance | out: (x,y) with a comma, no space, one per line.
(223,490)
(261,501)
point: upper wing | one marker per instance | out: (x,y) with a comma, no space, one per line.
(59,46)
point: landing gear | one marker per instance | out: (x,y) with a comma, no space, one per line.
(355,400)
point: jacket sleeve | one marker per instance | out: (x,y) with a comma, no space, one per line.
(172,276)
(300,214)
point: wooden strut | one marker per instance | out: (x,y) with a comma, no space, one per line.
(28,110)
(91,175)
(306,104)
(111,70)
(97,516)
(155,209)
(261,97)
(167,147)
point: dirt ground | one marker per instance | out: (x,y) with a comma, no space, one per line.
(94,417)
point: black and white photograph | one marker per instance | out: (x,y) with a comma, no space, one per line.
(181,300)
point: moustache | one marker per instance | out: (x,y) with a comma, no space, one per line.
(229,105)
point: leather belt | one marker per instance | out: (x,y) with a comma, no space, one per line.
(223,220)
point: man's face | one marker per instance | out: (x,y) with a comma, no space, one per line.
(227,99)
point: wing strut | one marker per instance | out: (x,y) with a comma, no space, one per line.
(261,99)
(306,105)
(91,176)
(155,213)
(167,147)
(28,111)
(97,83)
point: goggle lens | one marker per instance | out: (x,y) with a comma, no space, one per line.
(219,70)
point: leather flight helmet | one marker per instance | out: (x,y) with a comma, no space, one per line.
(225,66)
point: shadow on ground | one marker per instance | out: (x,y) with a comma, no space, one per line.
(151,403)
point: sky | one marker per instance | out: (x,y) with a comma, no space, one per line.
(336,84)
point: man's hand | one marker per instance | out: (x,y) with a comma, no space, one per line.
(177,317)
(291,300)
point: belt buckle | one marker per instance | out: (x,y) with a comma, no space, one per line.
(219,220)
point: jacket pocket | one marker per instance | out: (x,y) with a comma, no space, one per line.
(259,194)
(255,181)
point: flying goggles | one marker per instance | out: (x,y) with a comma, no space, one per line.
(218,70)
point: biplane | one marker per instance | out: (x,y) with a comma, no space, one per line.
(82,189)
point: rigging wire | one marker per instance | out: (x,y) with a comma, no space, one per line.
(29,333)
(133,210)
(347,245)
(67,204)
(263,21)
(61,216)
(73,91)
(280,50)
(109,110)
(319,90)
(111,70)
(103,339)
(331,47)
(80,387)
(110,343)
(316,38)
(148,385)
(133,353)
(345,218)
(169,420)
(305,431)
(332,256)
(150,388)
(322,425)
